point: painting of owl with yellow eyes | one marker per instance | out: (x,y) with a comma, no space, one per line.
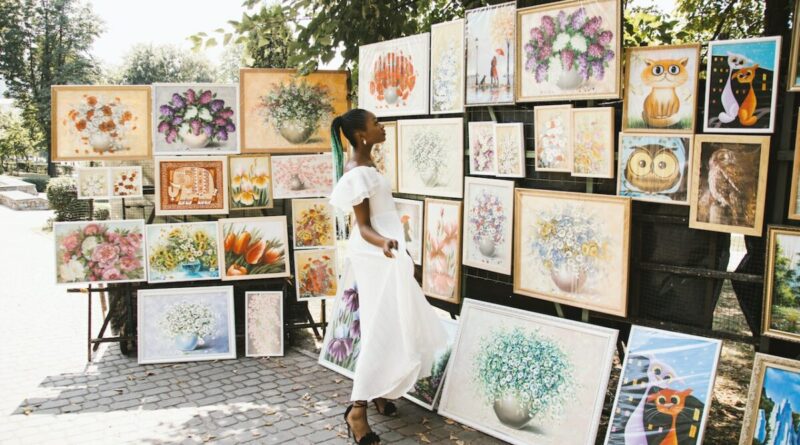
(655,167)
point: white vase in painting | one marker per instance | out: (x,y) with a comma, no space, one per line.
(192,140)
(511,411)
(567,278)
(569,79)
(100,141)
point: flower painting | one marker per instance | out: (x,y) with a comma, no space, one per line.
(302,176)
(250,185)
(93,182)
(191,185)
(553,138)
(488,216)
(100,123)
(661,88)
(447,67)
(182,252)
(107,251)
(781,304)
(126,182)
(441,259)
(431,156)
(655,167)
(569,50)
(773,402)
(526,378)
(263,324)
(510,142)
(572,248)
(742,85)
(411,215)
(185,325)
(489,39)
(482,148)
(384,155)
(313,223)
(593,142)
(195,119)
(284,112)
(393,76)
(342,343)
(665,388)
(315,273)
(253,248)
(427,390)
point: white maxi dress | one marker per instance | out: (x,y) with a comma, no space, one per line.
(400,332)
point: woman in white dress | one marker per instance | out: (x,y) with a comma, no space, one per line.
(399,330)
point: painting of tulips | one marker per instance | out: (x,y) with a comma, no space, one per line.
(254,248)
(302,176)
(490,52)
(100,123)
(191,185)
(182,252)
(441,260)
(91,252)
(263,324)
(195,119)
(315,273)
(431,156)
(342,342)
(488,216)
(251,182)
(313,223)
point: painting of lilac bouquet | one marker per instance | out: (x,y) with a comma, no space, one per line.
(486,221)
(343,340)
(195,118)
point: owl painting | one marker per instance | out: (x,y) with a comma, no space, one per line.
(654,167)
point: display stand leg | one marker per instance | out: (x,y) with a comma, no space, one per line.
(93,343)
(559,311)
(312,323)
(491,114)
(324,318)
(585,315)
(89,327)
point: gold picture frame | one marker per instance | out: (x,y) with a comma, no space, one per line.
(769,283)
(754,394)
(793,213)
(793,83)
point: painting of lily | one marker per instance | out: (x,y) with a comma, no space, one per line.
(254,248)
(441,265)
(315,271)
(251,182)
(342,342)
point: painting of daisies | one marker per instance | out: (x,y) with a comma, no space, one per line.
(431,156)
(182,252)
(488,215)
(92,183)
(482,148)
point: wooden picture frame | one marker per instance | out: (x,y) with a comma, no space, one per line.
(605,167)
(436,271)
(769,318)
(430,156)
(254,184)
(544,161)
(794,214)
(204,172)
(793,82)
(165,248)
(674,150)
(480,239)
(750,424)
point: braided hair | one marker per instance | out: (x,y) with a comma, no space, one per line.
(347,123)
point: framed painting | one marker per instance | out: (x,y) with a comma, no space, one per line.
(482,148)
(794,60)
(191,185)
(490,33)
(250,186)
(263,324)
(186,325)
(313,223)
(572,248)
(655,167)
(551,392)
(302,176)
(661,89)
(441,258)
(510,142)
(794,209)
(431,157)
(488,217)
(781,307)
(426,391)
(99,252)
(342,343)
(100,123)
(254,248)
(728,183)
(393,76)
(93,182)
(447,67)
(182,252)
(553,138)
(315,272)
(126,181)
(569,50)
(593,142)
(665,388)
(742,85)
(411,216)
(195,119)
(384,155)
(772,401)
(283,112)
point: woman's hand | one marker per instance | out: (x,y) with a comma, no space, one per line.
(388,245)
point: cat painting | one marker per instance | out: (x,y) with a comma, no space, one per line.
(662,104)
(729,103)
(747,109)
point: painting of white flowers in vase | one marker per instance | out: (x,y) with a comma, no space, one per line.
(553,138)
(342,343)
(482,148)
(441,258)
(527,378)
(510,141)
(572,248)
(447,67)
(92,182)
(195,119)
(263,323)
(488,215)
(185,325)
(302,176)
(431,157)
(250,185)
(489,40)
(569,50)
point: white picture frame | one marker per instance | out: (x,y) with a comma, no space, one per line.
(249,298)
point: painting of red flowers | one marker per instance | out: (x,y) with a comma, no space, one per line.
(315,273)
(253,248)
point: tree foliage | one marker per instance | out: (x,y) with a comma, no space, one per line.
(146,64)
(16,141)
(786,285)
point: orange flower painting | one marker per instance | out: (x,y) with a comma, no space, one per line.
(315,272)
(254,248)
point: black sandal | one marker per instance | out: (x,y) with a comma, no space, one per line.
(389,408)
(370,438)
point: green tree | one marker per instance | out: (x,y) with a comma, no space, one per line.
(785,280)
(146,64)
(44,43)
(230,63)
(16,141)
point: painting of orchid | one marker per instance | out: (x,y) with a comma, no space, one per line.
(441,261)
(342,343)
(253,248)
(489,39)
(250,182)
(315,273)
(302,176)
(263,324)
(488,216)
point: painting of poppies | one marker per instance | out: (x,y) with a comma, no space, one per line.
(100,123)
(92,252)
(553,138)
(313,223)
(447,67)
(253,248)
(490,33)
(302,176)
(342,342)
(411,216)
(315,273)
(431,156)
(263,324)
(191,185)
(182,252)
(488,216)
(441,259)
(250,185)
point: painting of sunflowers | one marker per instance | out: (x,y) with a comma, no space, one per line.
(313,223)
(254,248)
(315,272)
(441,261)
(251,182)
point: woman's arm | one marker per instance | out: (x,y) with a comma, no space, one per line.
(368,233)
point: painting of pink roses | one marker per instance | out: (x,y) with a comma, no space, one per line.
(92,252)
(441,262)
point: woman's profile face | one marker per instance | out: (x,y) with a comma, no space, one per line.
(374,132)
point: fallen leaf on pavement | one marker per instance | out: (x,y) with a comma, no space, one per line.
(328,427)
(449,422)
(423,438)
(209,438)
(149,373)
(466,428)
(27,411)
(425,420)
(337,380)
(453,437)
(255,433)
